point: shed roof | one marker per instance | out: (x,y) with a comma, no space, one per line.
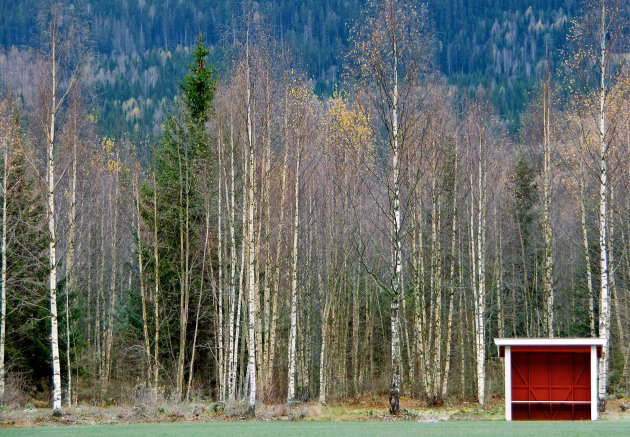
(549,344)
(549,341)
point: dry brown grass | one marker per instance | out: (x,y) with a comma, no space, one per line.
(150,410)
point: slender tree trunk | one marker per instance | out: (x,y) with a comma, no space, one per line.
(355,336)
(240,301)
(274,299)
(232,296)
(449,325)
(478,252)
(265,376)
(480,304)
(394,392)
(547,236)
(52,242)
(183,313)
(70,260)
(604,304)
(219,311)
(252,255)
(293,332)
(88,302)
(587,258)
(613,288)
(100,300)
(156,294)
(220,333)
(419,296)
(3,296)
(437,304)
(112,299)
(143,297)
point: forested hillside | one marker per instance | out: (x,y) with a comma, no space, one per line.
(497,47)
(286,207)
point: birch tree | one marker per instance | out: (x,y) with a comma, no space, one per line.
(62,46)
(392,50)
(6,137)
(596,38)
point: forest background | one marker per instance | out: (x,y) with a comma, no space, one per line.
(278,201)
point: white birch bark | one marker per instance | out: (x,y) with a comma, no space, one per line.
(52,242)
(394,393)
(251,362)
(547,235)
(604,304)
(480,304)
(232,293)
(265,376)
(293,331)
(5,138)
(323,351)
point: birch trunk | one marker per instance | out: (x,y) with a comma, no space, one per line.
(3,296)
(604,304)
(52,242)
(293,332)
(240,301)
(251,364)
(419,294)
(267,220)
(478,252)
(220,333)
(547,236)
(394,392)
(88,303)
(480,305)
(232,294)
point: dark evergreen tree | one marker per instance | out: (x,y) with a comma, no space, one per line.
(27,345)
(184,147)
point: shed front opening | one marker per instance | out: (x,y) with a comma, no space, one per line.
(550,379)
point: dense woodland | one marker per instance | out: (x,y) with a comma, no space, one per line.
(141,47)
(259,241)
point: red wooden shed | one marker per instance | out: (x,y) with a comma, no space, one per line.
(550,378)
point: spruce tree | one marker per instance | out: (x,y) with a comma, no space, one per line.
(183,147)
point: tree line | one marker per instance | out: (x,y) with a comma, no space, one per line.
(278,247)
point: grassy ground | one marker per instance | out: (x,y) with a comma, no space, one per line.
(617,427)
(362,417)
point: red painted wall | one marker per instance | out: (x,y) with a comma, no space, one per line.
(563,377)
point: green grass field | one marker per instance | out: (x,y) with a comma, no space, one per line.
(615,428)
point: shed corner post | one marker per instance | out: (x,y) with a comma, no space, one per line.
(508,383)
(594,383)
